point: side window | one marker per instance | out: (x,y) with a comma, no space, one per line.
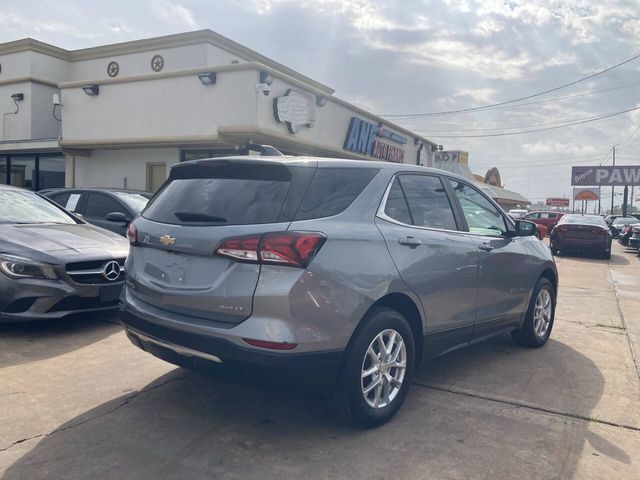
(552,215)
(481,215)
(428,202)
(333,190)
(396,206)
(61,199)
(98,205)
(533,215)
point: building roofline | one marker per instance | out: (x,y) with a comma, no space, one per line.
(148,44)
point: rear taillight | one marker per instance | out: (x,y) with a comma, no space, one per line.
(132,234)
(295,249)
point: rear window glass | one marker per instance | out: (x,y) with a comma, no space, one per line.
(219,201)
(333,190)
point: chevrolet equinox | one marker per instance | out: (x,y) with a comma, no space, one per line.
(342,271)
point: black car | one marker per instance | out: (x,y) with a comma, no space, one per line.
(112,209)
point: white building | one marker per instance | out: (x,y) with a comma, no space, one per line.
(119,115)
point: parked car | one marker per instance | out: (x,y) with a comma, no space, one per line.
(112,209)
(53,263)
(619,223)
(625,235)
(610,218)
(344,273)
(581,232)
(634,239)
(547,218)
(516,214)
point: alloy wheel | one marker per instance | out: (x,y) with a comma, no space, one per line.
(542,313)
(383,369)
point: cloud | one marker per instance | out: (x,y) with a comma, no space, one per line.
(174,14)
(557,148)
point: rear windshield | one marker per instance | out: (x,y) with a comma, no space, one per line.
(224,193)
(583,219)
(229,195)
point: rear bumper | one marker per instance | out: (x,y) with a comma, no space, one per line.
(634,242)
(579,244)
(191,350)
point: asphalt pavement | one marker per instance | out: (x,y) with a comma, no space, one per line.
(78,401)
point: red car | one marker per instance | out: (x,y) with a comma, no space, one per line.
(547,218)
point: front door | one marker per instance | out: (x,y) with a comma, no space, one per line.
(504,282)
(436,261)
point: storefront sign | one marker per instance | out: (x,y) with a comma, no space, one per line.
(586,193)
(609,176)
(557,202)
(364,138)
(295,109)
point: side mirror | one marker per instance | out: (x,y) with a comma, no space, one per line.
(116,217)
(525,228)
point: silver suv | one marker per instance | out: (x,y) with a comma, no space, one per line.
(340,271)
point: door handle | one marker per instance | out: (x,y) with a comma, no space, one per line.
(409,241)
(485,247)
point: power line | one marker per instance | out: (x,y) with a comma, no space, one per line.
(566,97)
(493,105)
(594,119)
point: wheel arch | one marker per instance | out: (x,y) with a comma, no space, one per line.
(409,309)
(552,276)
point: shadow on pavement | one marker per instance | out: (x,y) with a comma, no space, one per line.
(32,341)
(187,425)
(590,257)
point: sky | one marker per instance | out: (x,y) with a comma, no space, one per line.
(410,57)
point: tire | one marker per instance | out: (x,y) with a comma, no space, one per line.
(528,335)
(606,255)
(347,400)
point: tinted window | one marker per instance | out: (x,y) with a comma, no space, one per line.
(221,193)
(583,219)
(428,202)
(396,206)
(27,207)
(332,190)
(481,215)
(61,198)
(532,215)
(99,204)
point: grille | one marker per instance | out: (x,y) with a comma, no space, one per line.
(91,272)
(74,302)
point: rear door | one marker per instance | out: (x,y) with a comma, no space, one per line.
(174,267)
(505,274)
(438,262)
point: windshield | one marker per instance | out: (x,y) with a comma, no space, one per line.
(624,220)
(583,220)
(135,201)
(18,207)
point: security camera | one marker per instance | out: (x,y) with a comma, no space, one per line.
(264,88)
(56,99)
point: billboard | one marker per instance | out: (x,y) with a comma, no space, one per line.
(606,176)
(586,193)
(557,202)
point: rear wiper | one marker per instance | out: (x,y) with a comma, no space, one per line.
(198,217)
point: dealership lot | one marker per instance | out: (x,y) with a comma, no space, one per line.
(79,401)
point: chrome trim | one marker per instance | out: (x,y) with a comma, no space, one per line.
(89,272)
(179,349)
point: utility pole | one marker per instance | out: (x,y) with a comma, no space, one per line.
(612,187)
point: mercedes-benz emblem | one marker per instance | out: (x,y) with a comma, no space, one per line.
(111,271)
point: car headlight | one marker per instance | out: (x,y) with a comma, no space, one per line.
(21,267)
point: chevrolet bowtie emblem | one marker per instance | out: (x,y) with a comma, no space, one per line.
(167,240)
